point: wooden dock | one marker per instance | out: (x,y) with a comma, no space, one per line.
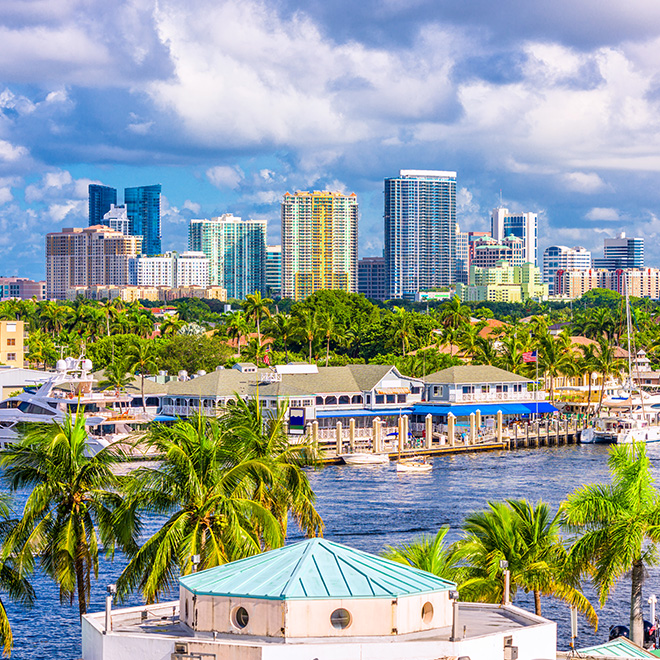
(546,433)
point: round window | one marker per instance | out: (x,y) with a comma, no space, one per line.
(240,617)
(427,613)
(340,619)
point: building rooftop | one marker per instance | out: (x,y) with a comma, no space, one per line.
(311,570)
(469,373)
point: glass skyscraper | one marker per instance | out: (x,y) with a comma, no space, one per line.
(143,210)
(237,252)
(420,231)
(101,199)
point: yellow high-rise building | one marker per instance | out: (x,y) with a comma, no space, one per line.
(319,243)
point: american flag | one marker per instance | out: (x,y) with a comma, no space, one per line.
(530,356)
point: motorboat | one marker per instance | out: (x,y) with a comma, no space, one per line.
(109,417)
(414,465)
(621,430)
(365,458)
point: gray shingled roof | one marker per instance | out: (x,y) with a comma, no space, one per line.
(475,373)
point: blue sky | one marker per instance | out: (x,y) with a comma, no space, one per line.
(230,104)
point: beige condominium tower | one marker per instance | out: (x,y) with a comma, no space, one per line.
(319,243)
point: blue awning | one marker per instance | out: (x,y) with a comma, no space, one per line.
(465,411)
(324,414)
(541,407)
(165,418)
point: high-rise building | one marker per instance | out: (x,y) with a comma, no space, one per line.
(172,270)
(319,243)
(462,256)
(621,252)
(143,210)
(117,218)
(503,283)
(420,231)
(371,277)
(84,257)
(487,251)
(274,270)
(520,225)
(236,249)
(101,199)
(560,257)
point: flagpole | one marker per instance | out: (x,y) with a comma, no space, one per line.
(536,393)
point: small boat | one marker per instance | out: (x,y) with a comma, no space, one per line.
(414,465)
(364,458)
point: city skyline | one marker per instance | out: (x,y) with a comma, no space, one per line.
(229,105)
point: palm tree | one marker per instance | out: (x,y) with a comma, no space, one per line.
(252,434)
(171,325)
(606,364)
(141,357)
(328,325)
(12,581)
(237,328)
(428,553)
(619,525)
(528,537)
(403,328)
(555,358)
(282,327)
(116,375)
(73,509)
(308,328)
(256,308)
(587,365)
(208,493)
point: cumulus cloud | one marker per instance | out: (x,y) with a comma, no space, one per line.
(583,182)
(224,176)
(603,214)
(192,206)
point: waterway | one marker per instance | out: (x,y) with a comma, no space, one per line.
(371,507)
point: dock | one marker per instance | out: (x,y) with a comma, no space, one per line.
(542,433)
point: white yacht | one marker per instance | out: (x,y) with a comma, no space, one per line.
(108,415)
(622,429)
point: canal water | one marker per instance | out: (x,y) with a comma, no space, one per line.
(372,507)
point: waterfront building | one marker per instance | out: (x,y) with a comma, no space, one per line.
(621,252)
(21,288)
(13,344)
(274,270)
(462,256)
(420,232)
(521,225)
(117,218)
(16,378)
(172,270)
(143,210)
(371,277)
(316,599)
(236,249)
(101,200)
(319,243)
(503,283)
(94,255)
(560,257)
(488,251)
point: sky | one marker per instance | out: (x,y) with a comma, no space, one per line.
(552,107)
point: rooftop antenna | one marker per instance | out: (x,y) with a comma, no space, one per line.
(500,197)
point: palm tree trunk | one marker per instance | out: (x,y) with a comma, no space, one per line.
(537,603)
(636,612)
(310,350)
(144,403)
(258,331)
(327,351)
(80,583)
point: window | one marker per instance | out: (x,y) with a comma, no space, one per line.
(344,400)
(340,619)
(368,398)
(11,341)
(380,398)
(240,617)
(11,357)
(427,613)
(319,400)
(400,398)
(330,400)
(11,327)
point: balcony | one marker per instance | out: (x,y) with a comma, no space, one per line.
(495,397)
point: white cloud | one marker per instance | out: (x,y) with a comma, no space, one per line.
(10,152)
(192,206)
(603,214)
(71,210)
(5,195)
(583,182)
(224,176)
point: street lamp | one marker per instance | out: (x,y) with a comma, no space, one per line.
(504,565)
(453,595)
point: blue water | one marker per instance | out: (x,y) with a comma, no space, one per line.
(371,507)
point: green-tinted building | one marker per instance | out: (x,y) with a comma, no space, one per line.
(236,249)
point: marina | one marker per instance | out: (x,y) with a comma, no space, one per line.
(371,507)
